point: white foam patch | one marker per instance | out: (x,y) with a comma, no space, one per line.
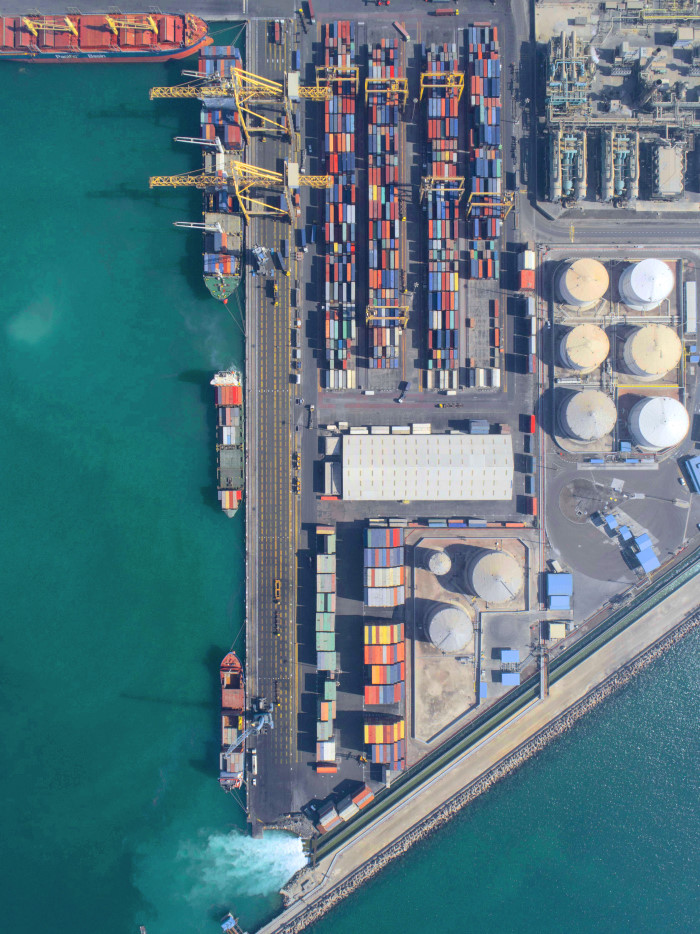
(33,323)
(227,866)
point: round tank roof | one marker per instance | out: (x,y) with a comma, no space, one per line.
(589,415)
(585,347)
(651,351)
(449,628)
(583,282)
(646,284)
(495,576)
(439,563)
(659,422)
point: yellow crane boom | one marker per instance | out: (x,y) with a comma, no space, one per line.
(116,23)
(34,24)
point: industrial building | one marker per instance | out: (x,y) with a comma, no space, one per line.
(584,348)
(645,285)
(409,467)
(494,576)
(581,283)
(619,165)
(588,415)
(658,422)
(652,351)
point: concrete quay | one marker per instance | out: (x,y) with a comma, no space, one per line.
(315,891)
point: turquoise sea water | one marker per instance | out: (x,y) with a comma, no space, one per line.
(122,590)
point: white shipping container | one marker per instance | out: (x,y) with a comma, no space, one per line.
(380,429)
(400,430)
(495,377)
(421,428)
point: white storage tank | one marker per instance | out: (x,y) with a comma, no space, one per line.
(588,415)
(658,422)
(494,576)
(449,628)
(584,348)
(438,563)
(652,351)
(582,282)
(644,285)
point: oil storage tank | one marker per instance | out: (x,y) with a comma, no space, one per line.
(588,415)
(652,351)
(438,562)
(584,347)
(494,576)
(449,628)
(581,282)
(658,422)
(644,285)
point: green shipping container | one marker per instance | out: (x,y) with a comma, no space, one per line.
(325,642)
(330,689)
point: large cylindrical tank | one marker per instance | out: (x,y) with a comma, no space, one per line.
(658,422)
(646,284)
(449,628)
(588,415)
(651,351)
(584,347)
(581,282)
(494,576)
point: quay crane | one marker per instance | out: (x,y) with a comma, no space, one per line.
(261,720)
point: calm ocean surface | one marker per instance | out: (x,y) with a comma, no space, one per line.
(122,590)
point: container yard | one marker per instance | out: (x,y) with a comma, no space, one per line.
(402,313)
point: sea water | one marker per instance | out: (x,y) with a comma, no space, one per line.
(122,591)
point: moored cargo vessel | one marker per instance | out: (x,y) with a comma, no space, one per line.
(98,37)
(230,442)
(232,756)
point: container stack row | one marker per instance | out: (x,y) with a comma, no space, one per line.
(383,153)
(485,152)
(325,742)
(384,570)
(326,656)
(385,652)
(443,223)
(385,738)
(340,218)
(330,815)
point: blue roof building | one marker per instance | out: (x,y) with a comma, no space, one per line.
(483,690)
(625,533)
(559,602)
(510,656)
(692,467)
(611,522)
(642,541)
(648,560)
(559,584)
(510,677)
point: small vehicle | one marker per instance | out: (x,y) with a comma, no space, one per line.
(400,400)
(278,591)
(683,482)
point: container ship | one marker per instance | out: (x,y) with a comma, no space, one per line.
(232,757)
(230,448)
(121,37)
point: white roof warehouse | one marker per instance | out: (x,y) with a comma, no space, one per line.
(427,467)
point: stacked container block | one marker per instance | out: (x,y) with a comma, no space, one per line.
(385,653)
(485,154)
(443,223)
(219,117)
(326,655)
(384,567)
(383,139)
(385,737)
(339,227)
(330,815)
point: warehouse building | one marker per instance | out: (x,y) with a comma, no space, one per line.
(402,467)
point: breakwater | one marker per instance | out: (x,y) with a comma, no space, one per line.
(314,910)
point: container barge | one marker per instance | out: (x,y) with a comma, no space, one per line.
(118,37)
(230,447)
(221,129)
(485,151)
(341,200)
(442,205)
(232,756)
(384,316)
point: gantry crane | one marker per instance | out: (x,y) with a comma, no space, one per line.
(146,22)
(500,204)
(54,23)
(261,720)
(444,186)
(387,90)
(452,82)
(249,91)
(398,313)
(244,179)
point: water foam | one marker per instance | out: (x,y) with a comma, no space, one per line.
(226,866)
